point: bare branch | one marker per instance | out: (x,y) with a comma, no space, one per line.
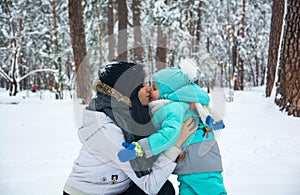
(35,71)
(131,25)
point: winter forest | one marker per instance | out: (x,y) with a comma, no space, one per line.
(239,44)
(248,52)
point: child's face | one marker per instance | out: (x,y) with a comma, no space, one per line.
(144,94)
(155,92)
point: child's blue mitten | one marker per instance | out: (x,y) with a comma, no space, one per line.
(214,125)
(218,125)
(130,151)
(209,120)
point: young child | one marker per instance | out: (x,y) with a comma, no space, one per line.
(175,98)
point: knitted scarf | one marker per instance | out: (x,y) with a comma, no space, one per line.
(134,121)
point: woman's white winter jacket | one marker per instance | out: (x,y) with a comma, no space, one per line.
(97,169)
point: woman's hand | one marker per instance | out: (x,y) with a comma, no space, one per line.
(188,129)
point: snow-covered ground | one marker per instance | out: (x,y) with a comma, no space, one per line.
(38,144)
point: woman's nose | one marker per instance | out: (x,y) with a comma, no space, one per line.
(148,88)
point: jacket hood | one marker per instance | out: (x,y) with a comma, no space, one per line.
(174,85)
(189,93)
(92,122)
(169,80)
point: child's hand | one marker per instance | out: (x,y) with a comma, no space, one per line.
(187,130)
(128,146)
(130,151)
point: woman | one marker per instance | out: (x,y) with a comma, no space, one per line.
(119,113)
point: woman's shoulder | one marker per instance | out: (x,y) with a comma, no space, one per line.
(94,122)
(94,117)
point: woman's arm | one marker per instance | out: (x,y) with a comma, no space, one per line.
(187,130)
(105,143)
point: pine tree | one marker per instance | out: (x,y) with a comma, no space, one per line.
(110,29)
(275,32)
(138,49)
(122,33)
(288,93)
(83,85)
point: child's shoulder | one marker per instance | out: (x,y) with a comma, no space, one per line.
(173,105)
(165,105)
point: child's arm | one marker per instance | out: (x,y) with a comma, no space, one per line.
(163,139)
(169,132)
(209,117)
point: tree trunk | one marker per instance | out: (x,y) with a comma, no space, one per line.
(171,57)
(258,64)
(2,83)
(262,76)
(59,85)
(14,70)
(234,55)
(100,34)
(222,75)
(150,60)
(240,75)
(190,24)
(20,57)
(234,64)
(191,29)
(252,73)
(207,44)
(256,71)
(198,30)
(274,41)
(239,85)
(161,50)
(288,93)
(110,28)
(122,33)
(83,84)
(68,67)
(138,49)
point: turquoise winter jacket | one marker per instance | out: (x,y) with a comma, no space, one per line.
(168,119)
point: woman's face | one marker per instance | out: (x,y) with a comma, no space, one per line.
(144,94)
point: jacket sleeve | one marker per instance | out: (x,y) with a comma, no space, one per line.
(203,97)
(106,142)
(190,93)
(167,135)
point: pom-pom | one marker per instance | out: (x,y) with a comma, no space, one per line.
(190,68)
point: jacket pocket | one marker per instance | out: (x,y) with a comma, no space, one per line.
(112,178)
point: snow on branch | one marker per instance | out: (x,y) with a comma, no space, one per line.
(6,77)
(35,71)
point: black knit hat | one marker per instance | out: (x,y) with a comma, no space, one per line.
(122,76)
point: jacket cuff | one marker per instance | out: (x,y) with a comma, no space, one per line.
(146,147)
(172,153)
